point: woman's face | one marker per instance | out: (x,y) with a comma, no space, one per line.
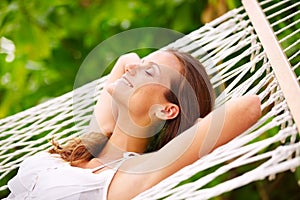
(141,89)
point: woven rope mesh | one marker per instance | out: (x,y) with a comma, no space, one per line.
(272,144)
(234,58)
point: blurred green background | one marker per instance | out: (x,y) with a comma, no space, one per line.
(52,38)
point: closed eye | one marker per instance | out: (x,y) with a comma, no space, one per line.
(149,71)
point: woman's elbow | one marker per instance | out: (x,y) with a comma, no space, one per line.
(253,107)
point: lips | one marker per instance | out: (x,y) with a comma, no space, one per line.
(127,82)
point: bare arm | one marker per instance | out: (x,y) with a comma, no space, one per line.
(103,115)
(219,127)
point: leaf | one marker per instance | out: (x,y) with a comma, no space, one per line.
(297,175)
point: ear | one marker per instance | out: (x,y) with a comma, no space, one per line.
(168,111)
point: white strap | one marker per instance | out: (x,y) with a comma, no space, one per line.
(126,155)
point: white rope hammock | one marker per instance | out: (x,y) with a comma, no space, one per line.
(237,59)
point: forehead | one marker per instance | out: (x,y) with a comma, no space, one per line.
(165,59)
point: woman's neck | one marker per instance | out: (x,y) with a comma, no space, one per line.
(129,136)
(128,143)
(121,142)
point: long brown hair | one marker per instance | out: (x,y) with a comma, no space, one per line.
(193,94)
(195,83)
(80,149)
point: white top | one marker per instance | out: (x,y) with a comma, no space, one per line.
(47,176)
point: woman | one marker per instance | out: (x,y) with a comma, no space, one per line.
(146,104)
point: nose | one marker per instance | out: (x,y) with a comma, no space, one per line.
(131,68)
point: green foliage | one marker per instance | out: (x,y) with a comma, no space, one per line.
(52,38)
(297,175)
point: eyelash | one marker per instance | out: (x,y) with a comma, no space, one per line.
(148,73)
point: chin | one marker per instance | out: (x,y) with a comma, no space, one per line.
(110,88)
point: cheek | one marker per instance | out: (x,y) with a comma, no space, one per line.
(140,102)
(144,98)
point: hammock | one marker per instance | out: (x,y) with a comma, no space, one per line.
(241,54)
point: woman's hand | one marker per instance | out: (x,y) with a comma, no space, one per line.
(104,115)
(119,68)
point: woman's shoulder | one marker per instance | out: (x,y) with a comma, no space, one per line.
(41,155)
(43,158)
(29,170)
(49,176)
(39,162)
